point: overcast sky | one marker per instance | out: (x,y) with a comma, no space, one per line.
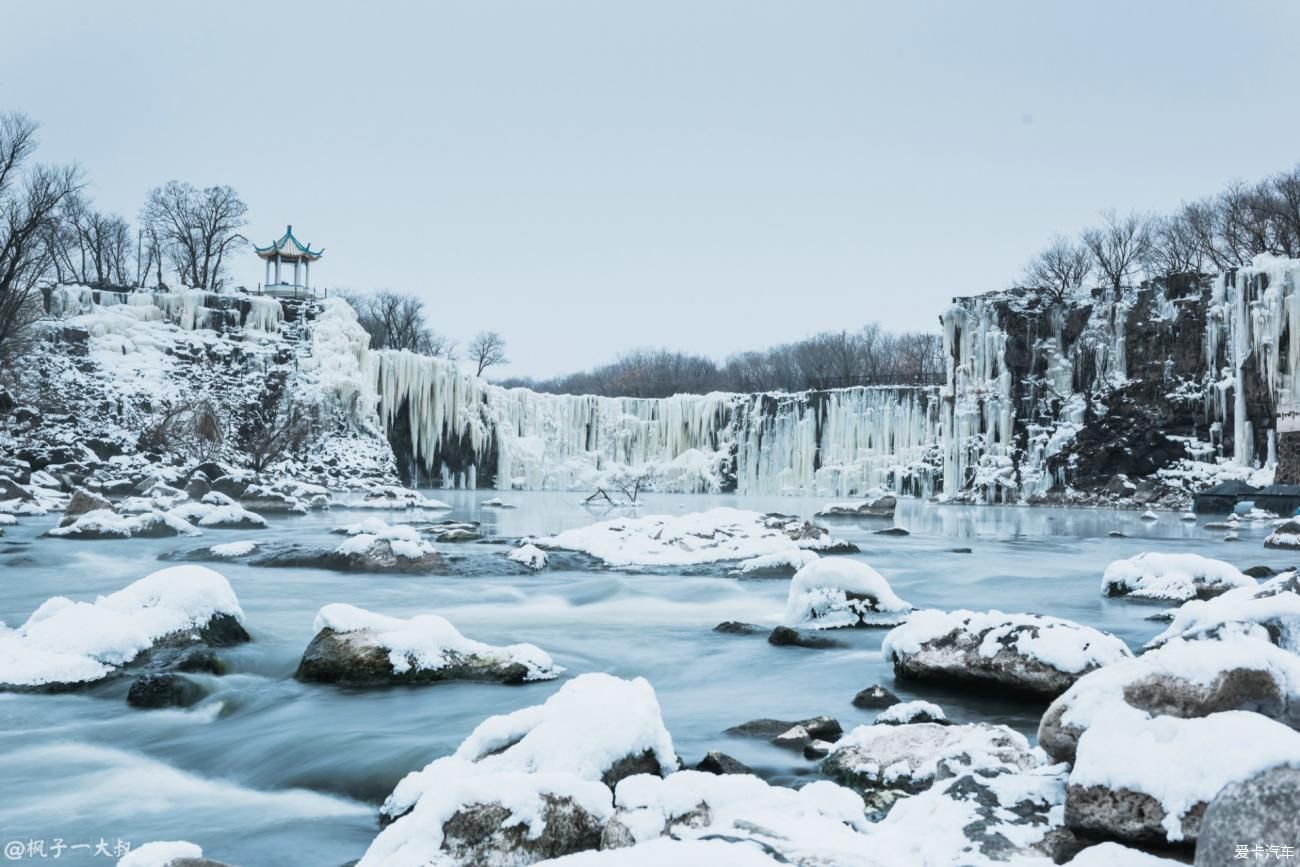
(587,177)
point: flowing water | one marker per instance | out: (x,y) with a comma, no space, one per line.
(267,771)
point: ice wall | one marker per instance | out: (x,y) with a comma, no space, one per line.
(460,431)
(190,309)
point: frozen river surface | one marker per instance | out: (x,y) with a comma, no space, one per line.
(268,771)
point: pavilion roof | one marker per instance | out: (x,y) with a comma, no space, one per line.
(289,248)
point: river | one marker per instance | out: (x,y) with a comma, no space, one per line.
(268,771)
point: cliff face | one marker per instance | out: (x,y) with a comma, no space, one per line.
(1153,392)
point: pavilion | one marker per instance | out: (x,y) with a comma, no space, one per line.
(284,251)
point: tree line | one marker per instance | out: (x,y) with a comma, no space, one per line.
(830,359)
(1207,235)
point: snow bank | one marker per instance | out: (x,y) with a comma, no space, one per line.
(1115,855)
(1152,757)
(717,535)
(427,641)
(1172,577)
(561,748)
(834,592)
(78,642)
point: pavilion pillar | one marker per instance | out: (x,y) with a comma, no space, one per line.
(268,273)
(277,269)
(306,279)
(295,273)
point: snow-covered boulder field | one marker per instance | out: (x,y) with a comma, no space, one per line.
(874,504)
(529,785)
(1171,577)
(721,535)
(1149,781)
(355,647)
(1028,653)
(1269,611)
(835,592)
(884,762)
(66,644)
(1182,679)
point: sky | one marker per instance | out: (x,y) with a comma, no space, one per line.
(591,176)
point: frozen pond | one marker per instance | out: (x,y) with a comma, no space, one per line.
(267,771)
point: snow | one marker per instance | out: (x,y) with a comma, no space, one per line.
(160,854)
(74,642)
(210,514)
(1149,515)
(1124,753)
(1115,855)
(561,747)
(678,853)
(908,711)
(427,642)
(1175,577)
(528,555)
(1061,644)
(696,538)
(106,522)
(496,503)
(819,595)
(233,549)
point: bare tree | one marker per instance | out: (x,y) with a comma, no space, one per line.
(195,229)
(1060,269)
(1176,244)
(30,199)
(487,349)
(1119,248)
(273,426)
(397,321)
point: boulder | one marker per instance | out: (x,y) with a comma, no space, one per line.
(479,833)
(908,712)
(377,556)
(720,763)
(735,627)
(1024,653)
(1270,610)
(1171,577)
(1149,781)
(877,505)
(107,524)
(1184,679)
(355,647)
(835,592)
(875,697)
(909,758)
(1285,537)
(784,636)
(83,501)
(821,728)
(164,690)
(1261,811)
(893,531)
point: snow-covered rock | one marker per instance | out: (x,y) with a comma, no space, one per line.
(715,536)
(781,564)
(496,503)
(1117,855)
(355,647)
(876,504)
(821,823)
(889,759)
(1149,515)
(1021,652)
(1286,536)
(1182,679)
(875,697)
(81,502)
(372,546)
(164,854)
(528,556)
(65,643)
(1262,811)
(833,592)
(1171,577)
(218,511)
(391,497)
(1270,611)
(531,784)
(107,524)
(1148,781)
(907,712)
